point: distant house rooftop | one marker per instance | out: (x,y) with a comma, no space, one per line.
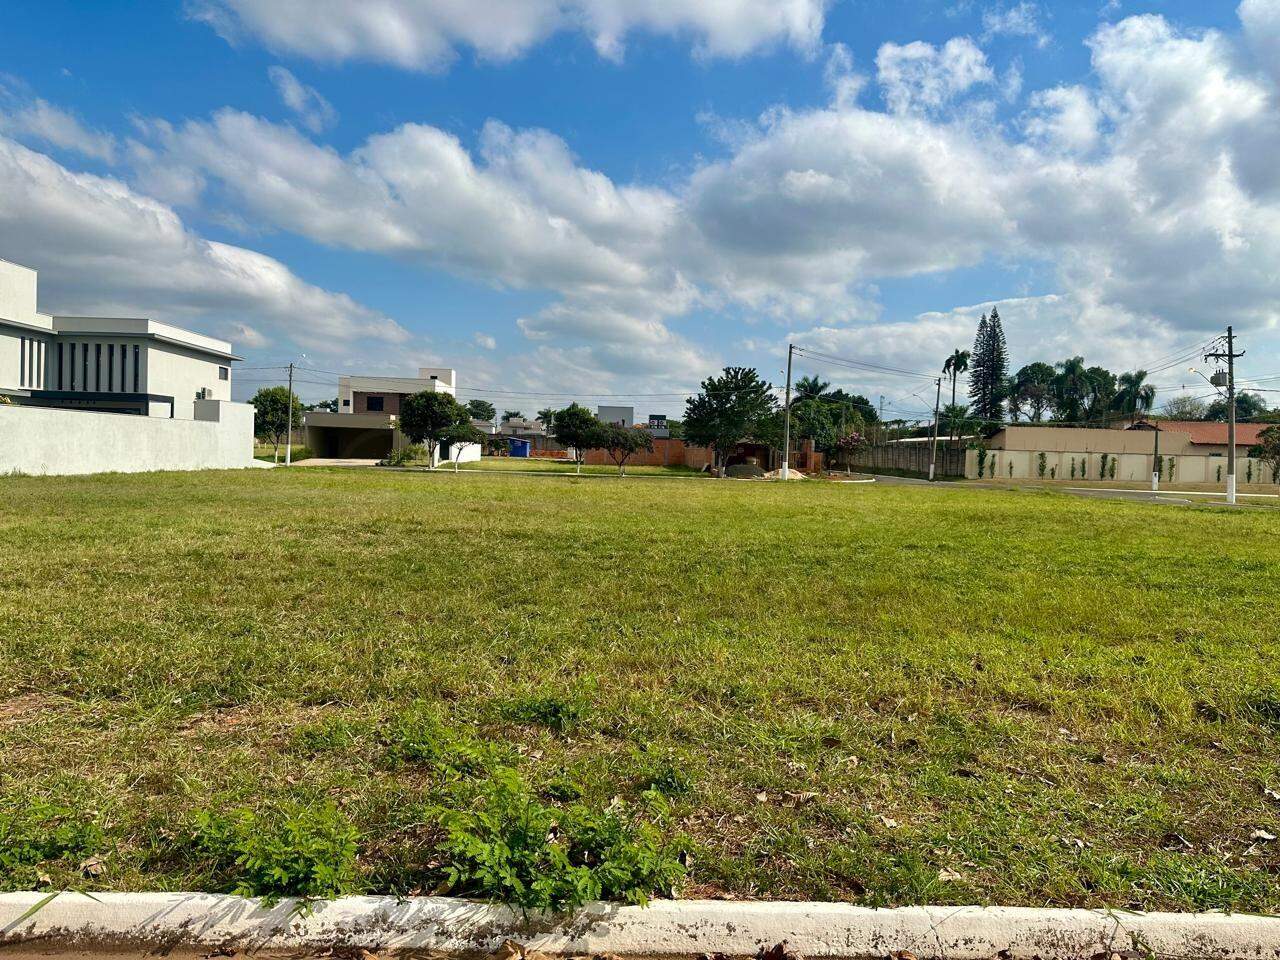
(1206,432)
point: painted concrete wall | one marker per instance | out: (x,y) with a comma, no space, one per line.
(174,372)
(38,440)
(13,354)
(1066,439)
(1176,468)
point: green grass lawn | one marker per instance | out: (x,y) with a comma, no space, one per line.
(533,465)
(882,694)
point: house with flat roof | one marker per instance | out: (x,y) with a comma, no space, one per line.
(130,365)
(365,426)
(94,394)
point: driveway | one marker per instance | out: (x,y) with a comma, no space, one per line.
(335,462)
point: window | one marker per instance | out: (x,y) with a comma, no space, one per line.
(374,404)
(72,367)
(346,403)
(124,365)
(22,361)
(224,373)
(111,367)
(97,366)
(84,366)
(60,366)
(136,380)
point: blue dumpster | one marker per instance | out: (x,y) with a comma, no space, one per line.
(517,447)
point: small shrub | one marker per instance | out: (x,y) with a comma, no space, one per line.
(36,836)
(1113,468)
(1219,473)
(511,847)
(1102,470)
(982,461)
(1010,469)
(296,851)
(1041,464)
(1248,471)
(1073,468)
(557,713)
(1053,472)
(1172,461)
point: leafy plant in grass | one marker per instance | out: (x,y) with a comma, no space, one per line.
(292,851)
(509,846)
(557,713)
(417,736)
(38,837)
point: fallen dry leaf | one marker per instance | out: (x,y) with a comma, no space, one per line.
(93,867)
(779,951)
(510,950)
(889,822)
(762,797)
(1265,836)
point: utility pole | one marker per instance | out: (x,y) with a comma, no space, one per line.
(880,422)
(1230,357)
(933,443)
(288,446)
(786,416)
(1155,461)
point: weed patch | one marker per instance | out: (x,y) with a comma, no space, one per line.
(291,851)
(510,846)
(41,842)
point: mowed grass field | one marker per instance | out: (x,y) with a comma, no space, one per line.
(883,694)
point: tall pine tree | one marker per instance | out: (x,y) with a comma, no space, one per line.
(989,369)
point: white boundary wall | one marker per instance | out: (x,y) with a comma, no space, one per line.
(42,440)
(1136,467)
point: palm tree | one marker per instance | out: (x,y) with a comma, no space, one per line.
(1134,395)
(956,364)
(546,415)
(809,388)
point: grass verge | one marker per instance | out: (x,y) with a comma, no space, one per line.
(325,681)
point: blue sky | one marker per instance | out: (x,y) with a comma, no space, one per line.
(568,198)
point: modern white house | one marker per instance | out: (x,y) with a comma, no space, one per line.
(365,426)
(57,370)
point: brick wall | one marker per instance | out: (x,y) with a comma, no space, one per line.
(666,453)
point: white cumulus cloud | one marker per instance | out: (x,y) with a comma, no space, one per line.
(426,34)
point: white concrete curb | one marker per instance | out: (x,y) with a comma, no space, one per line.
(666,927)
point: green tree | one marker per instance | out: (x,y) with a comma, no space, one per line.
(1249,406)
(545,417)
(955,419)
(1184,407)
(459,435)
(1071,389)
(727,410)
(622,443)
(511,415)
(271,415)
(1033,390)
(482,410)
(578,429)
(1268,449)
(1134,395)
(989,369)
(427,417)
(956,364)
(328,406)
(1102,392)
(813,419)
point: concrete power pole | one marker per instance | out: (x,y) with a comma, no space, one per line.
(1230,357)
(1155,461)
(786,418)
(933,443)
(288,446)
